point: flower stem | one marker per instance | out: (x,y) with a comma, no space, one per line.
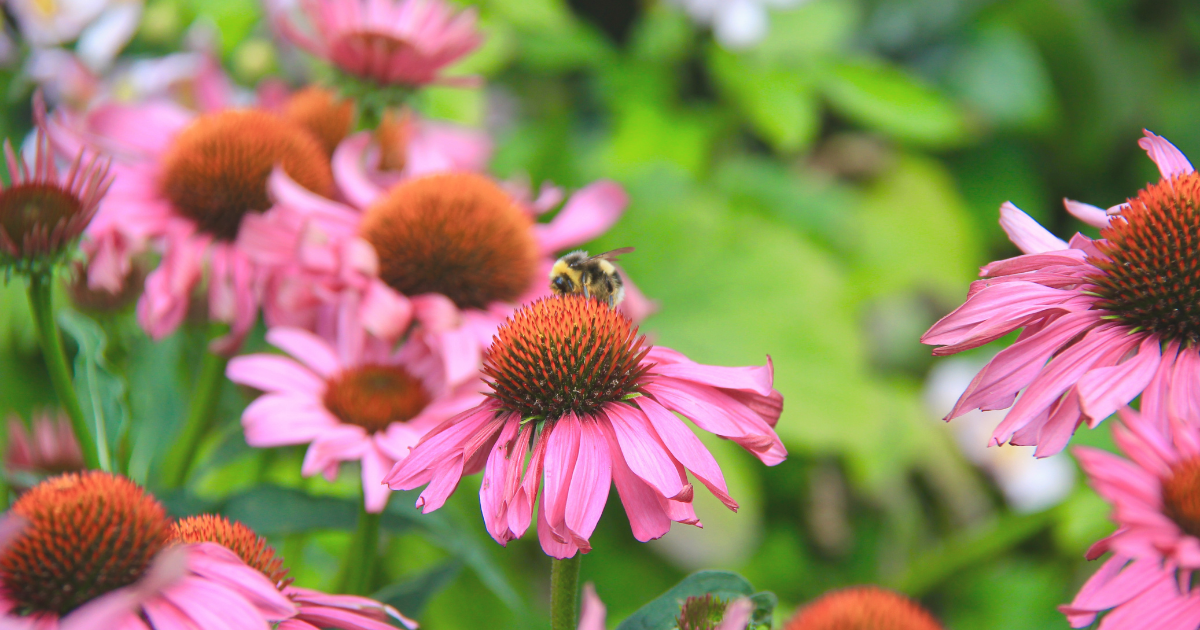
(564,593)
(41,286)
(201,410)
(358,570)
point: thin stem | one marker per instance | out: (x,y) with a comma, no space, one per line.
(201,410)
(564,593)
(41,285)
(358,570)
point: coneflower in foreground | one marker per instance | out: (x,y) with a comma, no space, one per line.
(862,608)
(314,609)
(94,550)
(1103,320)
(579,401)
(1154,495)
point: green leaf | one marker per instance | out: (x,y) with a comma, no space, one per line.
(886,98)
(660,614)
(813,29)
(779,103)
(101,392)
(156,404)
(234,19)
(411,595)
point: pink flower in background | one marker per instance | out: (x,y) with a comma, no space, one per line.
(48,448)
(1103,320)
(453,252)
(580,402)
(313,609)
(92,550)
(184,183)
(387,42)
(371,407)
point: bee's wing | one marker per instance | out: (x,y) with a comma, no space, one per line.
(611,254)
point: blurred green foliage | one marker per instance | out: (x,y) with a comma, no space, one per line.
(821,197)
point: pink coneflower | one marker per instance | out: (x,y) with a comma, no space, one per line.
(588,403)
(87,553)
(454,251)
(187,182)
(370,407)
(403,43)
(48,448)
(862,607)
(314,609)
(1145,593)
(1104,320)
(42,211)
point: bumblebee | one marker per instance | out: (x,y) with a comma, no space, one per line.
(590,276)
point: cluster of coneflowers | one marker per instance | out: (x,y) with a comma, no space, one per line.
(406,290)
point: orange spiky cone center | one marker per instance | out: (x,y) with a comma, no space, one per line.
(563,355)
(1151,268)
(457,234)
(216,170)
(863,608)
(1181,495)
(374,396)
(320,112)
(88,534)
(241,540)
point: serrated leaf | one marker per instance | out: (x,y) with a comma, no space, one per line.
(660,614)
(101,392)
(887,99)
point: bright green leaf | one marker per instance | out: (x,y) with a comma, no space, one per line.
(780,104)
(886,98)
(101,392)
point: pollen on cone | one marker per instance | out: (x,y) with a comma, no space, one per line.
(565,354)
(238,538)
(89,533)
(216,170)
(1181,495)
(457,234)
(863,608)
(374,396)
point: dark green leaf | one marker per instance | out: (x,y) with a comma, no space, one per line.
(661,613)
(411,595)
(157,402)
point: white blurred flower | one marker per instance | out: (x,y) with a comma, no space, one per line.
(736,23)
(1028,484)
(102,27)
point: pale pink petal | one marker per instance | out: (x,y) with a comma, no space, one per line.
(737,614)
(349,170)
(1028,235)
(270,373)
(589,213)
(1089,214)
(374,466)
(1170,161)
(315,352)
(591,613)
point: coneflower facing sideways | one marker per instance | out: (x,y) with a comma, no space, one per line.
(42,211)
(314,609)
(94,550)
(579,402)
(1102,321)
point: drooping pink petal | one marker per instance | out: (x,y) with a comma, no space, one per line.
(646,516)
(558,468)
(644,453)
(590,483)
(688,449)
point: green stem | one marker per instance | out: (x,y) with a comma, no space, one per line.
(41,285)
(358,570)
(564,593)
(201,411)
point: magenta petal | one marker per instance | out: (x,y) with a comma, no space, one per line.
(647,518)
(553,547)
(643,452)
(493,491)
(590,483)
(439,444)
(1104,390)
(445,479)
(758,379)
(1170,160)
(562,451)
(688,449)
